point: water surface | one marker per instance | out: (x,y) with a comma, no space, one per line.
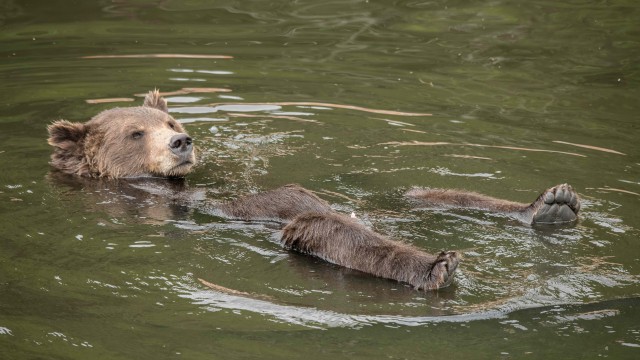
(357,101)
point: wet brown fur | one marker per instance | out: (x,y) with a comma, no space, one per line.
(344,241)
(314,228)
(463,199)
(282,204)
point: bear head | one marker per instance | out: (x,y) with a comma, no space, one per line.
(124,142)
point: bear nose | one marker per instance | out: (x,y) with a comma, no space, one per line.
(180,144)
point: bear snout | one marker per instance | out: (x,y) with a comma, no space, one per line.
(181,144)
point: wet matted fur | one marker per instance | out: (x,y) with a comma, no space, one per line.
(342,240)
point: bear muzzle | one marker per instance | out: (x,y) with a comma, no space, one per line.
(181,144)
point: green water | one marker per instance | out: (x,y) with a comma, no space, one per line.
(109,270)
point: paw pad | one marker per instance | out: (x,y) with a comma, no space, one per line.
(559,204)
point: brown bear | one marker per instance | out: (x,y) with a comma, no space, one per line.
(124,142)
(146,141)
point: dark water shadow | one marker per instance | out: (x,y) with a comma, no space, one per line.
(153,200)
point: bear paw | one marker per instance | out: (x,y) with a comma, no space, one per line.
(559,204)
(441,274)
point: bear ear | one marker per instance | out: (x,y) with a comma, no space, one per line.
(66,135)
(68,140)
(156,101)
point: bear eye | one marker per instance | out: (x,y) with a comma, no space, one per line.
(137,135)
(172,126)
